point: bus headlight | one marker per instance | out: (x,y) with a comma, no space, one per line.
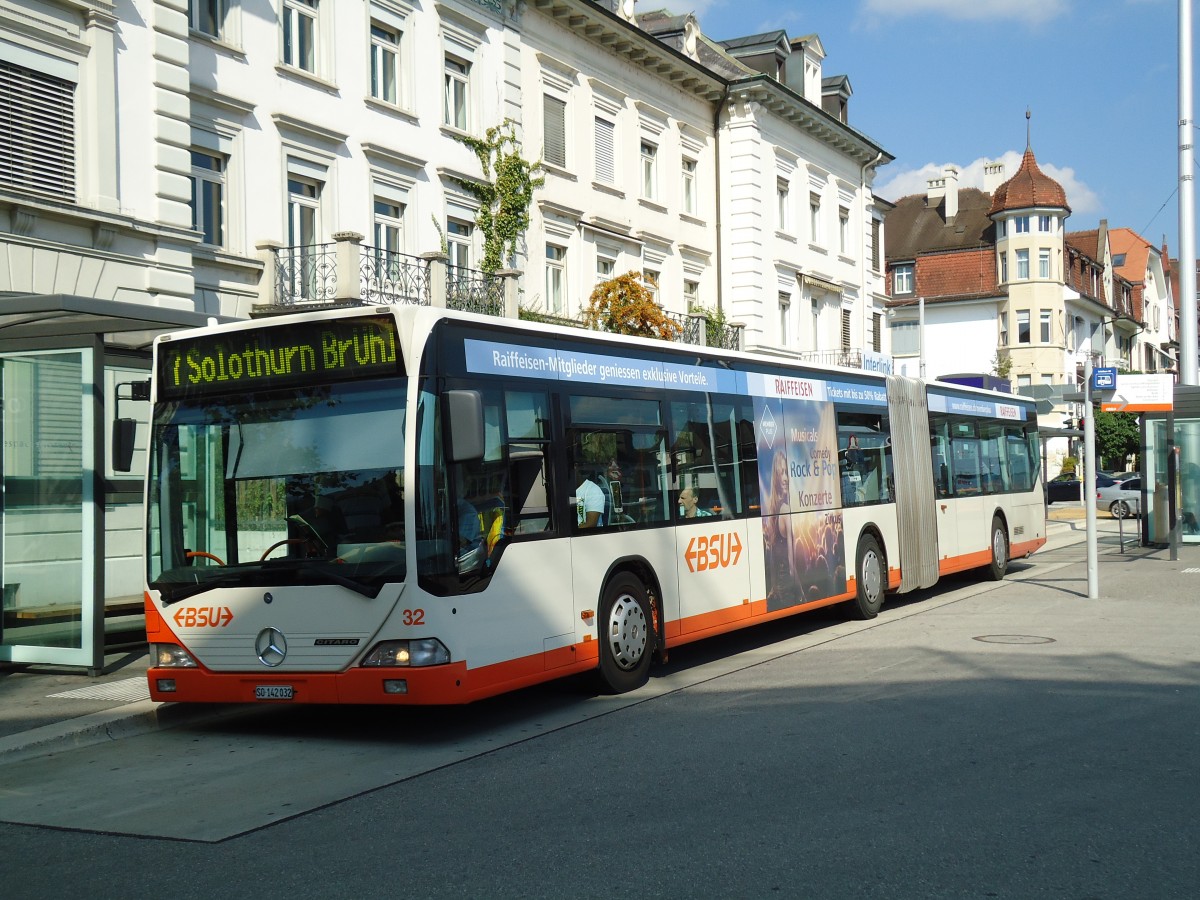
(423,652)
(171,656)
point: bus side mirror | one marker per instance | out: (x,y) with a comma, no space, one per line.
(462,413)
(124,431)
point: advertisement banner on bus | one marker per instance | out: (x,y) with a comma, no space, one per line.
(800,488)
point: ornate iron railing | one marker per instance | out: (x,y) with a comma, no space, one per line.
(473,291)
(387,277)
(305,274)
(691,328)
(724,335)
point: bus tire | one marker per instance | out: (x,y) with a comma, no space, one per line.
(998,565)
(626,634)
(869,579)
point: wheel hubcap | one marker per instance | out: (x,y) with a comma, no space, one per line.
(998,548)
(627,632)
(871,576)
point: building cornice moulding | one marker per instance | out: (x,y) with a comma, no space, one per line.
(605,29)
(379,154)
(308,130)
(781,101)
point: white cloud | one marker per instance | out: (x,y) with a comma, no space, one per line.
(1031,12)
(1081,198)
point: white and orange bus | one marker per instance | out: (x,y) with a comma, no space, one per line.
(409,505)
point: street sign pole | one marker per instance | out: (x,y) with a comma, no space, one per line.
(1089,482)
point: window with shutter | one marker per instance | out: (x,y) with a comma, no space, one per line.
(605,158)
(37,132)
(554,115)
(845,329)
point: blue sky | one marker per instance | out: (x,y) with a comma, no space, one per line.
(940,82)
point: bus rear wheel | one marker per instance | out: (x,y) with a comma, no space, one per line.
(998,565)
(626,634)
(868,579)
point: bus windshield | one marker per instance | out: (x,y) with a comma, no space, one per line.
(287,487)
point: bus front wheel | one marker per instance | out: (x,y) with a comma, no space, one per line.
(999,562)
(868,578)
(626,634)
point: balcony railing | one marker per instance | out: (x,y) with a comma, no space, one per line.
(346,272)
(309,272)
(474,291)
(852,359)
(387,277)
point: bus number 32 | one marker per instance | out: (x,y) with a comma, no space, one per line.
(414,617)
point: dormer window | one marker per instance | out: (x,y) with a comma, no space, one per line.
(902,279)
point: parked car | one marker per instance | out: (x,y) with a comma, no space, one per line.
(1068,488)
(1121,498)
(1064,487)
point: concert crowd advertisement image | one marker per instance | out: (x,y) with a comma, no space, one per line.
(803,538)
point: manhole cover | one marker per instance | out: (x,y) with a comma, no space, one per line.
(1013,639)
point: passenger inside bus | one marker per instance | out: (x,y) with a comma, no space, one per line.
(689,505)
(590,503)
(314,520)
(469,557)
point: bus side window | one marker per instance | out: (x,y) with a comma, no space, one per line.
(713,450)
(939,450)
(527,421)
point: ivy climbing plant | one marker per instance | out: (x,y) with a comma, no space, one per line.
(505,194)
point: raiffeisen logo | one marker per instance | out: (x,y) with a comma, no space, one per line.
(767,426)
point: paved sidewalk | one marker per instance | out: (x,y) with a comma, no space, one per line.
(45,706)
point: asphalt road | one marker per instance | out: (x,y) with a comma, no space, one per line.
(1014,740)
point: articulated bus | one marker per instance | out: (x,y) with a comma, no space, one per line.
(414,506)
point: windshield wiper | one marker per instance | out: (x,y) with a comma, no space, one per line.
(327,570)
(173,593)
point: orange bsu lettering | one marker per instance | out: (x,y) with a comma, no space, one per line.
(714,551)
(203,617)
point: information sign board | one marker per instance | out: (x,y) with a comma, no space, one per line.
(1140,393)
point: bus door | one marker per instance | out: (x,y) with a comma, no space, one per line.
(945,507)
(620,492)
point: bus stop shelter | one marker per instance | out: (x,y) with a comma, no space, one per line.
(70,526)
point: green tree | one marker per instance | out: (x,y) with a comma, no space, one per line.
(1002,366)
(1117,436)
(625,305)
(505,194)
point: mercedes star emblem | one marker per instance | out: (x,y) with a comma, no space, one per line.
(271,647)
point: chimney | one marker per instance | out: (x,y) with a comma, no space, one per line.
(935,190)
(993,176)
(944,187)
(951,181)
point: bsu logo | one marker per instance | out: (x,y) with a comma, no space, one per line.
(714,551)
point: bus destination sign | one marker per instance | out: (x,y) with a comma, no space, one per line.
(275,356)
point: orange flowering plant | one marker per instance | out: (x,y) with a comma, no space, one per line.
(625,304)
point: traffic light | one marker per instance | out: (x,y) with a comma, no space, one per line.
(1081,424)
(1068,422)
